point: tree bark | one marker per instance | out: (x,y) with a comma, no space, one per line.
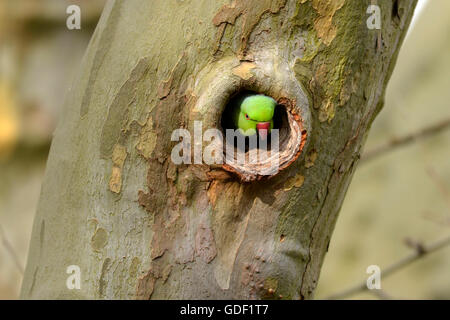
(139,226)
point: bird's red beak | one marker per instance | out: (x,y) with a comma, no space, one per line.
(263,129)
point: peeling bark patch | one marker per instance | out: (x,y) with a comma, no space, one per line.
(168,218)
(117,116)
(311,158)
(162,239)
(102,283)
(166,272)
(250,12)
(135,263)
(327,85)
(144,200)
(145,286)
(213,192)
(118,158)
(349,88)
(158,188)
(218,175)
(147,140)
(326,111)
(296,181)
(167,189)
(99,239)
(205,246)
(244,70)
(323,25)
(163,199)
(310,48)
(133,271)
(176,73)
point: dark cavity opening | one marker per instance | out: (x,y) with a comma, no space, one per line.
(280,122)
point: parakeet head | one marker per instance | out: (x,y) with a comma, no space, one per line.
(256,115)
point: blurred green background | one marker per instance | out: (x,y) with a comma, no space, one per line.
(403,194)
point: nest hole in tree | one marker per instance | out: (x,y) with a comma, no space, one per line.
(291,138)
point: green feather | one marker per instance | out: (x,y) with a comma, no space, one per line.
(258,108)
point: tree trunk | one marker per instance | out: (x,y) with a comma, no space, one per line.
(139,226)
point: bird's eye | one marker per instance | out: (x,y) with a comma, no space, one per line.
(247,117)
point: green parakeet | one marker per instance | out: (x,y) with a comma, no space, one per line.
(255,114)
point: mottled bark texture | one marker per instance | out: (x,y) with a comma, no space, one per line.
(139,226)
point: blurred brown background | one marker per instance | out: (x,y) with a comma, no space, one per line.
(401,194)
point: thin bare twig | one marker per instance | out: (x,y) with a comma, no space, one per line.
(10,250)
(405,140)
(419,252)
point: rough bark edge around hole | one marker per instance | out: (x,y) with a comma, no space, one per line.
(296,123)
